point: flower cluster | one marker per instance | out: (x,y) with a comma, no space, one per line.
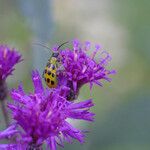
(79,68)
(43,115)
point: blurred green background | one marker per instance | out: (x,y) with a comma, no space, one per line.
(122,27)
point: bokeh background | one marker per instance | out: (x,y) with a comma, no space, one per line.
(122,27)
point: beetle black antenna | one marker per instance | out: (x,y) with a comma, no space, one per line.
(42,45)
(62,45)
(48,47)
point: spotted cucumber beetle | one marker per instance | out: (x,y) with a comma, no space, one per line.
(50,71)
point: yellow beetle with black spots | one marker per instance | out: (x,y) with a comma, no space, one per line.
(50,72)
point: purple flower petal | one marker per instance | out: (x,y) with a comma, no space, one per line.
(52,143)
(7,133)
(38,87)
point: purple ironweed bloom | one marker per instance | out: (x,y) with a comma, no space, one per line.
(8,58)
(42,116)
(78,68)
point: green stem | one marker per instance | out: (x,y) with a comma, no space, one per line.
(5,113)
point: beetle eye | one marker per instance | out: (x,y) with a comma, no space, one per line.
(55,54)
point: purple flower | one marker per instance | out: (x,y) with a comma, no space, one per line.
(79,68)
(42,116)
(8,58)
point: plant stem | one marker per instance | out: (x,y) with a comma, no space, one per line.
(5,113)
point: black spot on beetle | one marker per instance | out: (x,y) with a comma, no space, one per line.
(48,80)
(53,75)
(49,73)
(45,70)
(52,82)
